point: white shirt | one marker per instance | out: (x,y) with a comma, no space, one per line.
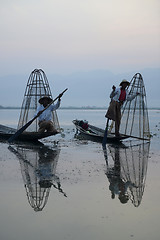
(47,114)
(116,94)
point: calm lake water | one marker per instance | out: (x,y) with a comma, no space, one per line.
(95,194)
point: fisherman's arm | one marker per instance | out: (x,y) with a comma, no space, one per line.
(39,111)
(57,105)
(114,92)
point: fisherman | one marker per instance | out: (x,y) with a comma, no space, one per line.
(45,118)
(118,97)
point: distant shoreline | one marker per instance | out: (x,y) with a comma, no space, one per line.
(70,108)
(88,107)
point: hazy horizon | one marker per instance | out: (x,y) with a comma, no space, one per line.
(90,88)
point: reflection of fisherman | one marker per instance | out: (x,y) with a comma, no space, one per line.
(117,185)
(46,172)
(45,167)
(38,167)
(128,174)
(118,97)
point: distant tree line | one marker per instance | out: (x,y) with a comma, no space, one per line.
(1,107)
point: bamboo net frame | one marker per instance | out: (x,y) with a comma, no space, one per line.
(127,169)
(37,87)
(38,164)
(134,120)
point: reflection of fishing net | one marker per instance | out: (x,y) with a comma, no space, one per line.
(38,167)
(133,162)
(134,121)
(37,87)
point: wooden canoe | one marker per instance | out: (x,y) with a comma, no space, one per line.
(95,133)
(7,132)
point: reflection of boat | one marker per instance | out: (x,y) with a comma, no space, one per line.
(38,168)
(37,87)
(94,133)
(126,170)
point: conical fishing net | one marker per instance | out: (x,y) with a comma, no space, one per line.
(134,120)
(37,87)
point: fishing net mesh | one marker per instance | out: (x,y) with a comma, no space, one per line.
(133,162)
(37,164)
(37,87)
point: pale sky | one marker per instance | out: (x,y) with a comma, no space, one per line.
(64,36)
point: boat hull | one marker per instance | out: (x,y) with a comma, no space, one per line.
(94,133)
(7,132)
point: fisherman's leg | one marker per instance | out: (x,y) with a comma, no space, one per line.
(116,122)
(111,111)
(118,119)
(42,127)
(50,127)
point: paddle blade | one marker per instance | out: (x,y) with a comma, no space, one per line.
(105,134)
(105,137)
(14,136)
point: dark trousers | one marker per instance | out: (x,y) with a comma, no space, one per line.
(114,113)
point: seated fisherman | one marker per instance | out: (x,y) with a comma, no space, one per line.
(45,118)
(83,124)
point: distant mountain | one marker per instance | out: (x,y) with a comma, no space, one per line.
(93,88)
(90,88)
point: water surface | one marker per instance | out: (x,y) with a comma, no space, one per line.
(95,194)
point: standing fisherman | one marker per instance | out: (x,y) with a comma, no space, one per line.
(118,97)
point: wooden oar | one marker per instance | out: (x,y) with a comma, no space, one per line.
(140,138)
(21,130)
(105,154)
(105,134)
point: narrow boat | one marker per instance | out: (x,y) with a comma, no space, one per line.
(7,132)
(94,133)
(37,87)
